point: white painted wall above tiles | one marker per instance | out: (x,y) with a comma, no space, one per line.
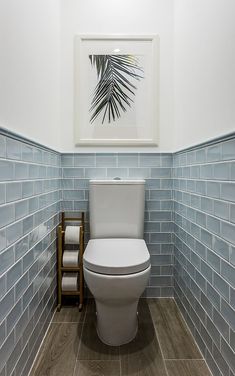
(204,74)
(117,17)
(29,69)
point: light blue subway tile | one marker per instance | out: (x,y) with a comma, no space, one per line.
(160,216)
(206,238)
(206,171)
(74,195)
(152,227)
(201,155)
(152,205)
(2,193)
(33,204)
(194,172)
(150,160)
(201,219)
(153,183)
(160,238)
(106,160)
(223,366)
(6,170)
(166,205)
(33,171)
(220,323)
(140,173)
(221,171)
(160,194)
(214,153)
(213,189)
(14,232)
(221,286)
(27,224)
(232,297)
(27,189)
(128,160)
(84,160)
(73,172)
(221,209)
(213,295)
(21,171)
(27,153)
(213,225)
(196,201)
(228,191)
(13,191)
(221,247)
(6,304)
(95,173)
(2,239)
(21,209)
(161,172)
(67,160)
(166,184)
(191,157)
(228,150)
(213,260)
(6,259)
(7,214)
(200,187)
(228,272)
(14,274)
(13,316)
(37,155)
(206,271)
(228,231)
(207,205)
(232,167)
(200,249)
(13,149)
(2,146)
(166,160)
(2,286)
(117,172)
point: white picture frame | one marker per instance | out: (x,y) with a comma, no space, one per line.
(116,90)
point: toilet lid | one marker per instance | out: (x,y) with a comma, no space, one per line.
(116,256)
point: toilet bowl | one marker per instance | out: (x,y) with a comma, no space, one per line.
(116,261)
(116,272)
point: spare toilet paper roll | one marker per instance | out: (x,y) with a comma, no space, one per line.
(70,258)
(72,235)
(70,282)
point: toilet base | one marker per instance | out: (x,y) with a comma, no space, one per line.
(117,325)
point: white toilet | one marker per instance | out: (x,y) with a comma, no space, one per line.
(116,261)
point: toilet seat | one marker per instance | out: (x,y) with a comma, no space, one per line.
(116,256)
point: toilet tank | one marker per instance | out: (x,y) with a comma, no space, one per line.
(116,208)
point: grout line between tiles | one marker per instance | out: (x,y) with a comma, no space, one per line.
(159,343)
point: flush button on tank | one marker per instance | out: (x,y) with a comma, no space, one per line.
(117,178)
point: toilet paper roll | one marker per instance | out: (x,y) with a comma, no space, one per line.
(70,258)
(70,282)
(72,235)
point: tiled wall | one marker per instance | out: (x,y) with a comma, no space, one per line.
(204,210)
(202,239)
(156,169)
(29,206)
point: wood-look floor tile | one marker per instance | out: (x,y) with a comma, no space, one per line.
(187,368)
(175,340)
(142,356)
(59,351)
(90,311)
(69,314)
(97,368)
(91,347)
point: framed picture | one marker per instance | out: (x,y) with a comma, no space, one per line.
(116,98)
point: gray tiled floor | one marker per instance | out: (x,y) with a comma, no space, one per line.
(162,347)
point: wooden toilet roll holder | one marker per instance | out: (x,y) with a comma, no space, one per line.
(78,269)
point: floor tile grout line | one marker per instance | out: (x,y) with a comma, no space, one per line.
(159,343)
(188,328)
(79,345)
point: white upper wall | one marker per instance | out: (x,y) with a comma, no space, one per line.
(29,69)
(204,70)
(117,17)
(197,59)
